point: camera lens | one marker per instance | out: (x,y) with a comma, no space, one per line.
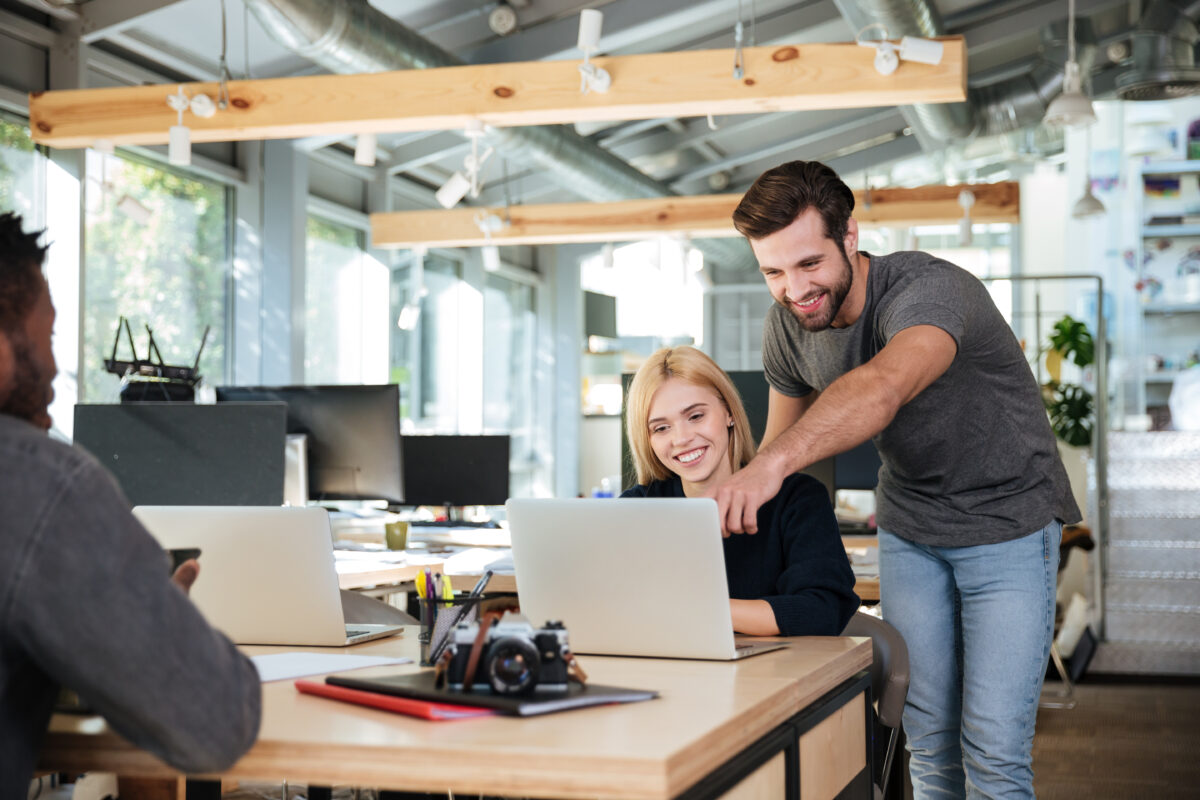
(513,665)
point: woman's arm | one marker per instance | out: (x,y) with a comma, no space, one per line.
(753,617)
(815,591)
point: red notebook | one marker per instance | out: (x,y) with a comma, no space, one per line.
(401,705)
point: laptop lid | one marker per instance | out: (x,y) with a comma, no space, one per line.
(266,573)
(636,577)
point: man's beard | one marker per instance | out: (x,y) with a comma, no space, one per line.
(833,303)
(31,385)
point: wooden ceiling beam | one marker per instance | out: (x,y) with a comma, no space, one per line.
(682,84)
(702,216)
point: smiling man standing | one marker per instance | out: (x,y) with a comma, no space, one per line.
(909,350)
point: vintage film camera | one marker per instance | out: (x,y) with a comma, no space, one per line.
(516,658)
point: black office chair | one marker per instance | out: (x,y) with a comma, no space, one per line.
(889,686)
(359,609)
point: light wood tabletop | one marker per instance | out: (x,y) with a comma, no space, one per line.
(707,712)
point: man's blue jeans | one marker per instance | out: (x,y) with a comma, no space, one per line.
(978,622)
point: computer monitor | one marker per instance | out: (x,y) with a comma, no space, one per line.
(456,470)
(184,454)
(353,436)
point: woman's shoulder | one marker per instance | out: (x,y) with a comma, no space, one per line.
(798,485)
(670,487)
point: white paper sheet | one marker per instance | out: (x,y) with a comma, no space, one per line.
(285,666)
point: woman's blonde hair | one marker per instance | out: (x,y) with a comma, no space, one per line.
(690,365)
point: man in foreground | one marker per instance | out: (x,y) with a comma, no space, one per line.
(909,350)
(86,601)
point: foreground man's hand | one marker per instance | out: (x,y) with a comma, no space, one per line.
(186,573)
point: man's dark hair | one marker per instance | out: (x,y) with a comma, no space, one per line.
(20,272)
(785,192)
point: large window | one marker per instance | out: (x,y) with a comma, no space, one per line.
(346,307)
(21,182)
(427,294)
(509,401)
(157,253)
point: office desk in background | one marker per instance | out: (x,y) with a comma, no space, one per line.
(399,578)
(793,717)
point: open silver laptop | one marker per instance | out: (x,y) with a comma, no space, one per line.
(633,577)
(266,573)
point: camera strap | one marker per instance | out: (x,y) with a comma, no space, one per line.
(574,671)
(485,624)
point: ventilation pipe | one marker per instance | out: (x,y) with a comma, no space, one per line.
(350,36)
(1002,107)
(1163,49)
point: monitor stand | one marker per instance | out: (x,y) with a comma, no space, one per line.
(454,519)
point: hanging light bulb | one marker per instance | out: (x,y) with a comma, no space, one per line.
(1072,107)
(1089,205)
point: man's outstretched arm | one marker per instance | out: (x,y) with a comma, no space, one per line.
(851,410)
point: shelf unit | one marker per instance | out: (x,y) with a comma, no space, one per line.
(1153,387)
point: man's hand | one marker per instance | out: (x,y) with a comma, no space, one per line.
(186,574)
(740,496)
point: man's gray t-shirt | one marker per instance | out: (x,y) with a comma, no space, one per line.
(971,459)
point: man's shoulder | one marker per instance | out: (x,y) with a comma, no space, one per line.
(915,263)
(34,457)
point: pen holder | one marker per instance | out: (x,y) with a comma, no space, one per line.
(438,619)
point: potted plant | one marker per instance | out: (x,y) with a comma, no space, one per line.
(1069,405)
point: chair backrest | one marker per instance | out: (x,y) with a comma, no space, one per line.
(889,665)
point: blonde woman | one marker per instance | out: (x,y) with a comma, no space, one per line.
(687,432)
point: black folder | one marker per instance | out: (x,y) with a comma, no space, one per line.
(420,686)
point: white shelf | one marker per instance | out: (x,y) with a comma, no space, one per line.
(1171,167)
(1156,231)
(1171,308)
(1162,377)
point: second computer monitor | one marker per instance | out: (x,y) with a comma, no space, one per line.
(456,470)
(353,437)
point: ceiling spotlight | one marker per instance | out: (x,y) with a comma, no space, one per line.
(466,181)
(364,149)
(592,78)
(453,190)
(503,19)
(1089,205)
(491,258)
(888,55)
(179,142)
(1071,108)
(133,208)
(409,314)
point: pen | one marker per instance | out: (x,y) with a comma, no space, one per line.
(421,583)
(481,584)
(447,590)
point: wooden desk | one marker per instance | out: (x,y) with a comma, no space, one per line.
(361,574)
(798,716)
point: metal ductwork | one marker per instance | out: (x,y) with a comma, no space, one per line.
(1163,47)
(1006,106)
(350,36)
